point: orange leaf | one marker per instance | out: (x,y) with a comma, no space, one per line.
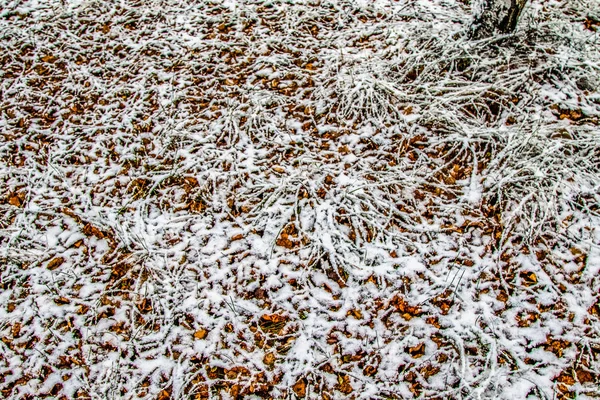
(417,351)
(55,263)
(200,334)
(300,387)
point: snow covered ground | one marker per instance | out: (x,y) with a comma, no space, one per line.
(298,199)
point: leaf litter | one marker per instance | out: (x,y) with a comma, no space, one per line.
(304,199)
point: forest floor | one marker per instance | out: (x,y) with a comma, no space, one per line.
(323,199)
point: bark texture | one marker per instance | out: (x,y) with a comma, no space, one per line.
(497,16)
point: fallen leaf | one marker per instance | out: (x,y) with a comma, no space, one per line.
(370,370)
(145,305)
(529,278)
(300,388)
(566,378)
(55,263)
(344,384)
(584,376)
(200,334)
(417,351)
(91,230)
(556,346)
(237,237)
(355,313)
(16,329)
(407,311)
(269,359)
(433,321)
(62,300)
(49,58)
(14,201)
(82,309)
(429,370)
(274,318)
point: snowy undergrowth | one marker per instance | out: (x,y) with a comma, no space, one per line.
(338,199)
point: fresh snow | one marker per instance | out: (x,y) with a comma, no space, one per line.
(320,199)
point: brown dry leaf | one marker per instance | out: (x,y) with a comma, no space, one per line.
(235,390)
(76,108)
(105,28)
(190,182)
(274,318)
(200,334)
(502,296)
(82,309)
(417,351)
(344,384)
(584,376)
(119,328)
(215,372)
(91,230)
(164,395)
(595,308)
(278,169)
(467,263)
(62,300)
(575,251)
(591,23)
(444,301)
(300,388)
(197,205)
(433,321)
(526,319)
(370,370)
(55,263)
(373,280)
(65,362)
(415,386)
(346,358)
(49,58)
(407,311)
(15,201)
(566,379)
(237,237)
(356,313)
(344,150)
(556,346)
(322,192)
(429,370)
(272,323)
(289,237)
(529,278)
(145,305)
(269,359)
(16,329)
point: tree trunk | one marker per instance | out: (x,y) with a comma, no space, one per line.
(497,16)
